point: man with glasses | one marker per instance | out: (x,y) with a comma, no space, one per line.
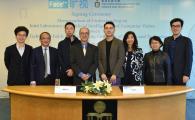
(44,62)
(179,49)
(84,59)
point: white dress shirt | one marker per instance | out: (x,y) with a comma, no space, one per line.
(20,49)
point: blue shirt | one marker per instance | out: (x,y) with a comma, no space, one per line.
(171,49)
(84,45)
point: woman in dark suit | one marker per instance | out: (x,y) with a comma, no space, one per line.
(133,60)
(157,67)
(17,59)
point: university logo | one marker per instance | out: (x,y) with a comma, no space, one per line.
(97,3)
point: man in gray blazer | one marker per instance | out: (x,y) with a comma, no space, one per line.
(111,56)
(84,59)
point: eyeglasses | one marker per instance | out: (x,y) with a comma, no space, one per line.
(82,33)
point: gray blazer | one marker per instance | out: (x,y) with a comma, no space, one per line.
(117,57)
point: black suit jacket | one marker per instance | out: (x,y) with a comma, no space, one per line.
(38,66)
(85,64)
(183,57)
(64,58)
(17,66)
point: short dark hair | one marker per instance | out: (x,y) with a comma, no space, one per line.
(155,38)
(176,20)
(44,33)
(109,22)
(135,43)
(21,28)
(69,23)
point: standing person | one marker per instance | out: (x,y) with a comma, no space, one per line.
(179,49)
(17,59)
(133,64)
(66,72)
(84,59)
(44,65)
(111,56)
(157,68)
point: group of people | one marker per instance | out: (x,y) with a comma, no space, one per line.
(120,62)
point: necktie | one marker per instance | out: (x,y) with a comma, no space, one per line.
(84,50)
(45,59)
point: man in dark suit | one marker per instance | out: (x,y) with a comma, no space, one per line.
(84,59)
(66,72)
(179,48)
(111,56)
(17,59)
(44,65)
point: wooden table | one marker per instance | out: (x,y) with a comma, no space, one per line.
(41,103)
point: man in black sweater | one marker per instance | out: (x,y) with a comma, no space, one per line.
(66,72)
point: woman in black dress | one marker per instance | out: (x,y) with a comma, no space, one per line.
(133,60)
